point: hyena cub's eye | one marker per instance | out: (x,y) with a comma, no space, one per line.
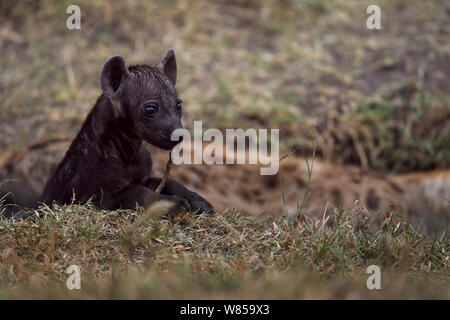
(150,109)
(179,104)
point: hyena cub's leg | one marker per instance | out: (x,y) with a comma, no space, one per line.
(144,197)
(175,188)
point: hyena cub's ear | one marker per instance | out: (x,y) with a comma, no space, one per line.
(114,72)
(168,66)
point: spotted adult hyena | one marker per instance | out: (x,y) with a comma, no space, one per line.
(421,197)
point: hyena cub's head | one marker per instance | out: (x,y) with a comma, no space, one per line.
(146,96)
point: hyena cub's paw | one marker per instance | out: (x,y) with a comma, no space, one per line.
(180,205)
(197,203)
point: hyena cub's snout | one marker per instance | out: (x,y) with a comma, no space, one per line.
(166,141)
(161,132)
(175,125)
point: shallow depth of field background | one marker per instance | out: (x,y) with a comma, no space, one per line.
(377,98)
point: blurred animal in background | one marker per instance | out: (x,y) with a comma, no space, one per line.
(422,198)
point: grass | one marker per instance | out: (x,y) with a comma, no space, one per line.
(130,254)
(378,99)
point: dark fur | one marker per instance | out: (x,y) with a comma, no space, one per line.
(107,161)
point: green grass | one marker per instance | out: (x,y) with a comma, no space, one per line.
(130,254)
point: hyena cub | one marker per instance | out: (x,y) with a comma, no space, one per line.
(107,161)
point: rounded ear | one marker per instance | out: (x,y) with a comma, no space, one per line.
(168,66)
(113,73)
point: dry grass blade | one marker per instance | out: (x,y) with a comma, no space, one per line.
(166,175)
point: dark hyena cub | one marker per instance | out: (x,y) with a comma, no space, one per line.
(107,160)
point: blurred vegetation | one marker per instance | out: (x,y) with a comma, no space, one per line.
(379,98)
